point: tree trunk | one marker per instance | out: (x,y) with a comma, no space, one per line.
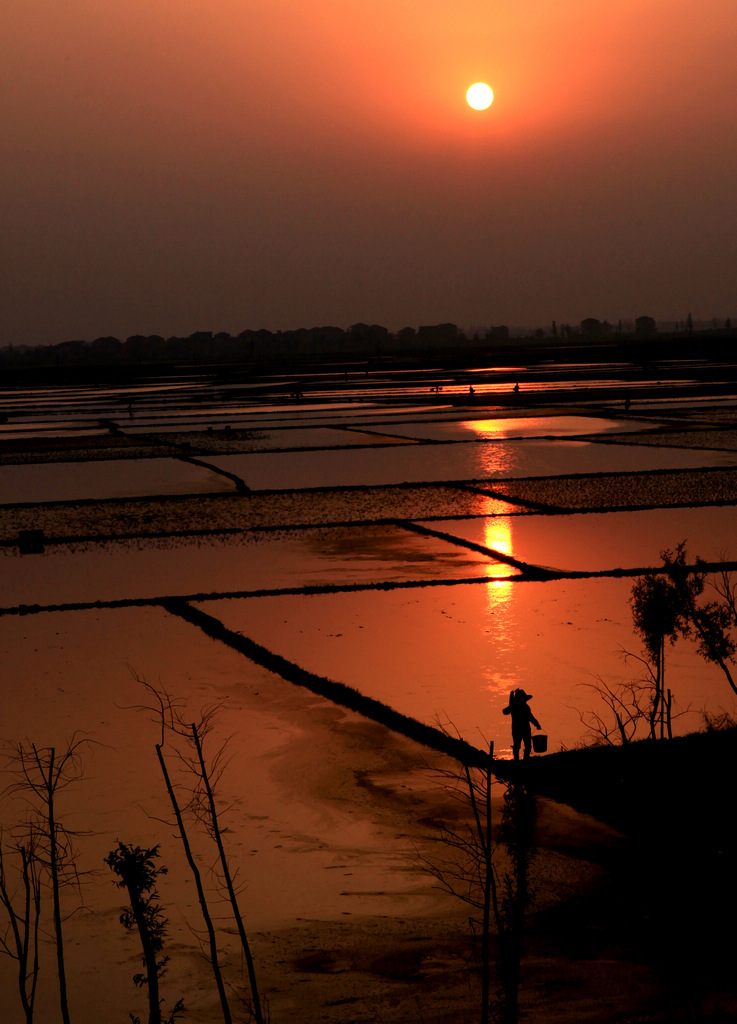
(54,872)
(228,880)
(149,955)
(214,962)
(487,899)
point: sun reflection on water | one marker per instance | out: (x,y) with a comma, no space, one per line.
(498,537)
(497,674)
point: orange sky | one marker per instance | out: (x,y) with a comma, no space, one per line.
(178,165)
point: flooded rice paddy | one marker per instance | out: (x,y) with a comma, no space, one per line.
(430,557)
(320,557)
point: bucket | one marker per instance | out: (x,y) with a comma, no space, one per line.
(540,743)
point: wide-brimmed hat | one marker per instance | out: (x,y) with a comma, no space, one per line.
(521,695)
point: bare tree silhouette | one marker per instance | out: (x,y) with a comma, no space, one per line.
(201,801)
(469,867)
(41,773)
(21,898)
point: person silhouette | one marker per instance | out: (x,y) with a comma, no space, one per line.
(522,717)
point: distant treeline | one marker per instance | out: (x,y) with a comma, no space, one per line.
(358,342)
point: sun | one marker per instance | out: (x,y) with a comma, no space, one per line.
(479,96)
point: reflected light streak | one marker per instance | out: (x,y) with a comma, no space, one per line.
(498,673)
(509,426)
(498,537)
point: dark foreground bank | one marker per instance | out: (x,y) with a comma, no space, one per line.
(674,894)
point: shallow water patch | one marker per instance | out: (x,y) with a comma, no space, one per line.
(517,426)
(81,481)
(605,541)
(441,462)
(328,556)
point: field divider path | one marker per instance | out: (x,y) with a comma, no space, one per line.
(533,571)
(240,485)
(157,439)
(353,588)
(511,499)
(338,693)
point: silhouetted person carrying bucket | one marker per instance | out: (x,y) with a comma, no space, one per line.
(522,718)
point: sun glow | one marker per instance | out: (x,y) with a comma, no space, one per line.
(479,96)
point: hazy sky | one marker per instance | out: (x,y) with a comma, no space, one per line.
(168,166)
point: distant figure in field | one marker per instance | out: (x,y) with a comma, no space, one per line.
(470,391)
(519,709)
(515,388)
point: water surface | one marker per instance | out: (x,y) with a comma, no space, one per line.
(440,462)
